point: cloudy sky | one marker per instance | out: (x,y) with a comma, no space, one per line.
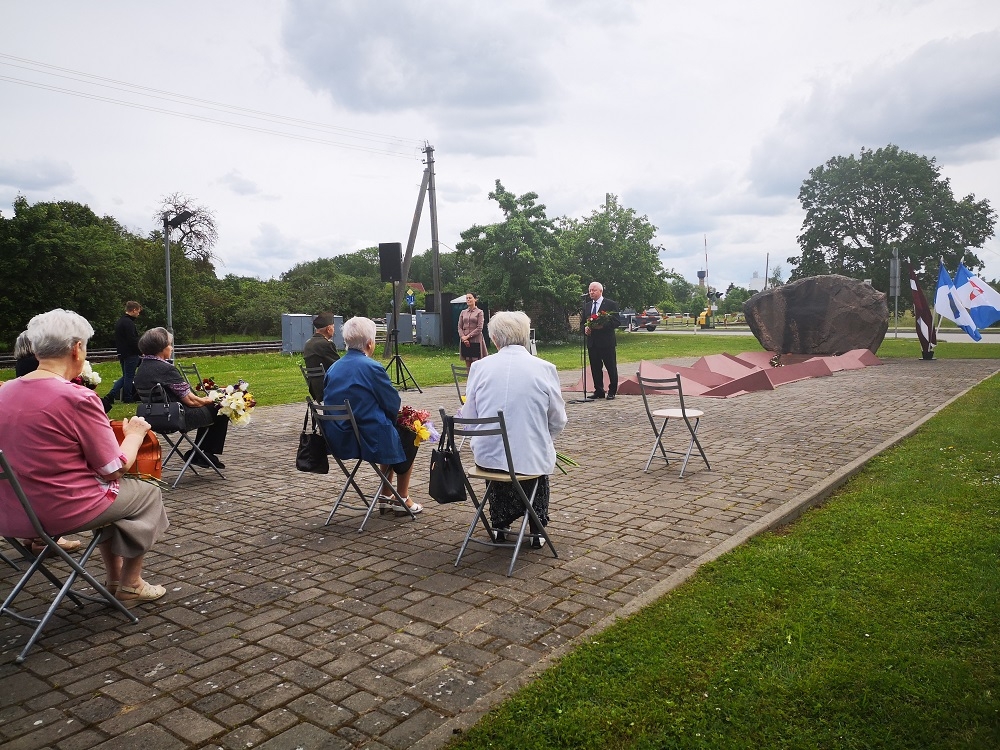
(302,123)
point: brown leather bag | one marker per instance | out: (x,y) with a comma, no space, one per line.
(149,459)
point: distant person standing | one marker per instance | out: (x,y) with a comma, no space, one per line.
(320,351)
(470,332)
(601,343)
(127,345)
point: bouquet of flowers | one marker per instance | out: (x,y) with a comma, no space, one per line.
(88,377)
(417,421)
(233,401)
(603,319)
(207,384)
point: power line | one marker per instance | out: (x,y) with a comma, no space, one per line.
(183,99)
(201,118)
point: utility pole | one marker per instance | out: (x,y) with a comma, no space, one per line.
(435,241)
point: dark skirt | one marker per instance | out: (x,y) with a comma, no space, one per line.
(506,505)
(472,350)
(406,437)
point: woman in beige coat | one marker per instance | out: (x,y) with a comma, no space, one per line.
(470,331)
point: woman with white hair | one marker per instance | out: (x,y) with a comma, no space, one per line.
(528,392)
(60,444)
(375,402)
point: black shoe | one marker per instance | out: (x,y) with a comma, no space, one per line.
(611,397)
(536,541)
(216,460)
(499,536)
(201,461)
(109,402)
(598,394)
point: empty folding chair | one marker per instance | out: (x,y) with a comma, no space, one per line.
(51,550)
(341,413)
(314,377)
(482,427)
(194,379)
(690,417)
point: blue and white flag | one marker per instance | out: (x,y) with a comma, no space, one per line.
(946,304)
(979,298)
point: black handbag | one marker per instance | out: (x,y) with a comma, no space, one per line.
(447,482)
(311,455)
(163,416)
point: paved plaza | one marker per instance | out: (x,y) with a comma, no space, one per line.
(278,632)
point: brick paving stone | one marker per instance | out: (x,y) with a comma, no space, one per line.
(376,639)
(305,736)
(145,736)
(190,726)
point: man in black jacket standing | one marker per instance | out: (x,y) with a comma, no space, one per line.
(127,344)
(601,343)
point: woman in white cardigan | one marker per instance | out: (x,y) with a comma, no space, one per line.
(527,390)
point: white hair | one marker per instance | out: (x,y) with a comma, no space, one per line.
(54,333)
(357,332)
(22,347)
(509,327)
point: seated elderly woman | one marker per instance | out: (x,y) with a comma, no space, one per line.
(24,358)
(527,390)
(60,444)
(363,381)
(156,346)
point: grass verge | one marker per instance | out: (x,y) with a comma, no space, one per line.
(873,622)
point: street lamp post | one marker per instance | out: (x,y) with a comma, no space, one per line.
(168,225)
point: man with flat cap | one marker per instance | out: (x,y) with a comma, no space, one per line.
(320,351)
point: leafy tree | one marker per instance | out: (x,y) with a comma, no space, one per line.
(518,263)
(198,234)
(615,246)
(322,284)
(734,299)
(677,294)
(775,278)
(62,254)
(859,209)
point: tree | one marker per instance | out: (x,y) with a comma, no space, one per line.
(61,254)
(615,246)
(734,299)
(199,233)
(677,294)
(518,264)
(774,279)
(860,209)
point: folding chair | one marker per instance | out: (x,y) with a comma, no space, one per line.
(157,395)
(669,386)
(314,377)
(10,562)
(194,379)
(342,413)
(51,549)
(482,427)
(460,373)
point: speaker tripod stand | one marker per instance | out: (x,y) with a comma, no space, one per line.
(399,373)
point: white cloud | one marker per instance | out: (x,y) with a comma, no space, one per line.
(35,174)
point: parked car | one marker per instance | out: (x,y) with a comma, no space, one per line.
(634,321)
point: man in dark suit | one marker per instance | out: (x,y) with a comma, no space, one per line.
(127,345)
(600,332)
(320,351)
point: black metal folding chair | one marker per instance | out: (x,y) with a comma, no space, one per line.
(314,377)
(10,562)
(333,413)
(670,386)
(194,379)
(157,395)
(50,550)
(483,427)
(460,374)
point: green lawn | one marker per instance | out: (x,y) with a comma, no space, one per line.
(873,622)
(275,378)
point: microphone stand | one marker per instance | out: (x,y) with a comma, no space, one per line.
(583,356)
